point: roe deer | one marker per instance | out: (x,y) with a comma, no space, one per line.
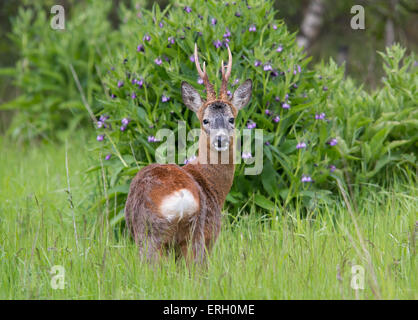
(169,205)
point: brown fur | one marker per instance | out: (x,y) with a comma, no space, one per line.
(208,183)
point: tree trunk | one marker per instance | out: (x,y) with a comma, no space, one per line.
(390,25)
(311,24)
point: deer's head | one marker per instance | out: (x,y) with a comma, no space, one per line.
(216,115)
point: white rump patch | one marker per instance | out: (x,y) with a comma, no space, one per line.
(179,204)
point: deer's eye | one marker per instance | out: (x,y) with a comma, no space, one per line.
(205,121)
(231,120)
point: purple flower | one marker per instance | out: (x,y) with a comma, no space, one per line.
(213,21)
(274,73)
(140,83)
(279,48)
(146,38)
(286,97)
(267,112)
(152,139)
(237,14)
(227,34)
(161,25)
(187,9)
(100,137)
(199,80)
(267,143)
(251,124)
(190,159)
(277,98)
(332,168)
(325,88)
(246,155)
(306,178)
(236,81)
(108,156)
(104,117)
(165,98)
(120,84)
(122,128)
(252,28)
(257,63)
(158,61)
(301,145)
(320,116)
(191,58)
(171,40)
(229,93)
(299,68)
(99,124)
(274,27)
(125,121)
(276,119)
(267,67)
(113,96)
(333,142)
(133,95)
(217,43)
(286,106)
(140,48)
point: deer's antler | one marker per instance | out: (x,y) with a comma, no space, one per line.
(225,76)
(210,92)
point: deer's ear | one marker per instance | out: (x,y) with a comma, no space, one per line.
(242,95)
(191,97)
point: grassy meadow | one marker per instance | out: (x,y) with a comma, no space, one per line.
(259,255)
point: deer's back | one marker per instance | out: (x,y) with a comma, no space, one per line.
(165,201)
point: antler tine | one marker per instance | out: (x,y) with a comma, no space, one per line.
(196,61)
(229,67)
(210,93)
(225,76)
(222,69)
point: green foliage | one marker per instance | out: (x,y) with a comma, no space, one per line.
(379,130)
(375,132)
(285,257)
(49,100)
(372,132)
(288,83)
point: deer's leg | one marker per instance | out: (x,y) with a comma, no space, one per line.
(186,253)
(149,245)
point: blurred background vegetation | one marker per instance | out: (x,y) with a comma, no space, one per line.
(328,21)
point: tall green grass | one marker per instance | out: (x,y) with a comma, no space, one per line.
(276,256)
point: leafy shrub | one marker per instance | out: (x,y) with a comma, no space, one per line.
(379,131)
(318,126)
(49,100)
(143,88)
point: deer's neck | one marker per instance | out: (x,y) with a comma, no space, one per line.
(216,177)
